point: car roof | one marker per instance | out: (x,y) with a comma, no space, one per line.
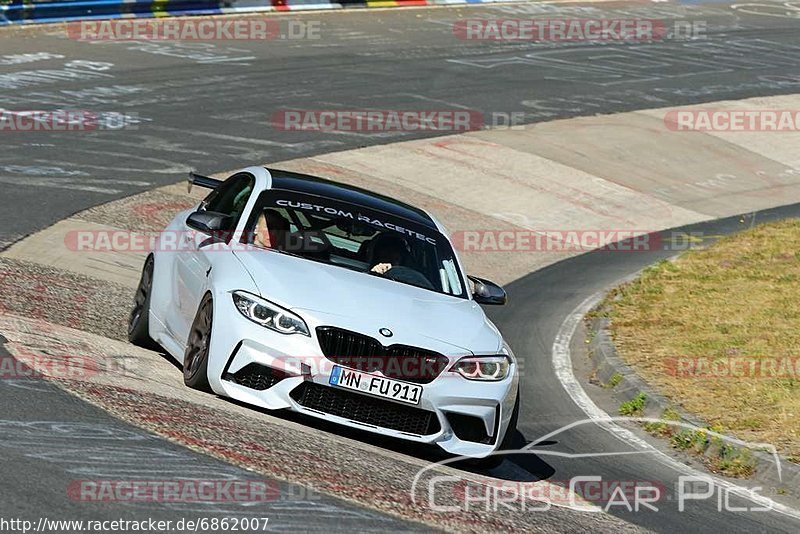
(313,185)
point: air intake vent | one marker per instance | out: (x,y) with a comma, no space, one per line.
(256,376)
(364,409)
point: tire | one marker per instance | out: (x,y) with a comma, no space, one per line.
(511,431)
(139,319)
(195,359)
(507,444)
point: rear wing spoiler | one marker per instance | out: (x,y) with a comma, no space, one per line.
(201,181)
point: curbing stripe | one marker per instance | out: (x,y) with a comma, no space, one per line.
(21,12)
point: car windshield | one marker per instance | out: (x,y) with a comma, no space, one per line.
(355,237)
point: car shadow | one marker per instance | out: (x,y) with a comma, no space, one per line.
(168,358)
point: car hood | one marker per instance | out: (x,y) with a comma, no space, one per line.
(335,296)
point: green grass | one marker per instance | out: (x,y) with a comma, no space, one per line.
(734,462)
(693,440)
(664,428)
(635,406)
(719,455)
(737,298)
(614,381)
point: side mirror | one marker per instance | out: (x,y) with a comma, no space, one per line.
(487,292)
(209,222)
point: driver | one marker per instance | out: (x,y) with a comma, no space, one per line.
(388,251)
(271,230)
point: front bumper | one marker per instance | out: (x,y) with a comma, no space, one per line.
(255,365)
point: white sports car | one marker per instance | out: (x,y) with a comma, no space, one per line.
(287,291)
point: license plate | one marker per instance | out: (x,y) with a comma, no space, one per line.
(375,385)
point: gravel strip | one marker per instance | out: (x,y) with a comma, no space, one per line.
(68,299)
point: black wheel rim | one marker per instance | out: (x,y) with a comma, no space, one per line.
(199,339)
(142,292)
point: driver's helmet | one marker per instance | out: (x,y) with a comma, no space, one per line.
(277,226)
(389,248)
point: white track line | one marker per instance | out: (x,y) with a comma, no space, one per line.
(562,363)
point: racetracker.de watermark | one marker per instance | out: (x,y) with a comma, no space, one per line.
(65,120)
(739,120)
(576,30)
(622,240)
(362,120)
(264,29)
(39,365)
(102,241)
(733,367)
(424,369)
(174,491)
(60,363)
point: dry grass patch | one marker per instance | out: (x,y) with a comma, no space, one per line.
(685,326)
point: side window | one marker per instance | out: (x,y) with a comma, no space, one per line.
(449,275)
(231,196)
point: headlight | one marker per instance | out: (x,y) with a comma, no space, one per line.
(268,314)
(486,368)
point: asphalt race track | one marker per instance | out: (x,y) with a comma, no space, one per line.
(207,106)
